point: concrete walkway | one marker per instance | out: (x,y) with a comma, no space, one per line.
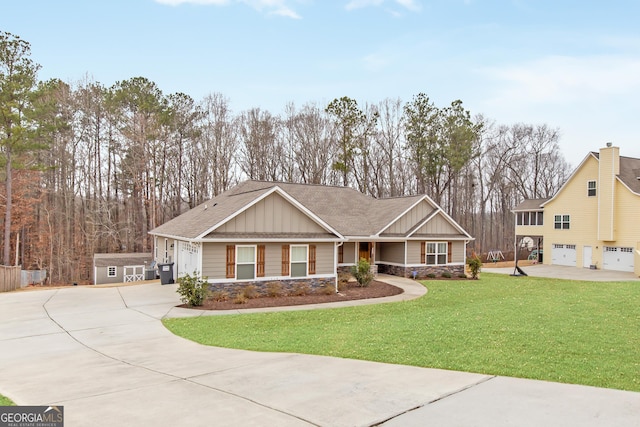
(104,354)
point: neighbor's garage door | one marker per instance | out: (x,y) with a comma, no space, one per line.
(563,255)
(617,258)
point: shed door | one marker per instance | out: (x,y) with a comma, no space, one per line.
(133,273)
(618,258)
(562,254)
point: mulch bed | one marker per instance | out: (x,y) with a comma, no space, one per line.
(351,292)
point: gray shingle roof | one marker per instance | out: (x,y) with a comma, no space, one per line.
(530,205)
(119,260)
(344,209)
(630,172)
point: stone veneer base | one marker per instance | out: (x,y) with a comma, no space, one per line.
(421,272)
(289,286)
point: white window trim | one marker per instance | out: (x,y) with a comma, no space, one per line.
(115,271)
(255,261)
(595,188)
(562,222)
(436,253)
(306,261)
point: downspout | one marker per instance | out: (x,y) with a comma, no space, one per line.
(335,262)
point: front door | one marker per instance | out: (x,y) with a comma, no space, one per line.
(364,251)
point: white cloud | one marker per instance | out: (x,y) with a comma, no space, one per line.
(563,79)
(412,5)
(271,7)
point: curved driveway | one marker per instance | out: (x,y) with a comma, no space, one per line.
(104,354)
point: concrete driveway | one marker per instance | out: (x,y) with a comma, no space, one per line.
(104,354)
(565,272)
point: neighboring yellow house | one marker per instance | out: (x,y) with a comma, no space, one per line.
(593,221)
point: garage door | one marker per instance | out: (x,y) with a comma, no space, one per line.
(618,258)
(562,254)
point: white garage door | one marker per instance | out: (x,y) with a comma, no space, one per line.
(562,254)
(617,258)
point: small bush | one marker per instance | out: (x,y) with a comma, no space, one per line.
(362,273)
(250,291)
(342,286)
(193,290)
(240,299)
(343,278)
(300,288)
(431,275)
(475,264)
(274,289)
(462,276)
(220,296)
(446,275)
(327,289)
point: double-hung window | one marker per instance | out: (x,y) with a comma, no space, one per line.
(298,260)
(591,188)
(245,262)
(436,253)
(561,222)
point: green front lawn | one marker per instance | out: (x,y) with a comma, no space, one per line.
(557,330)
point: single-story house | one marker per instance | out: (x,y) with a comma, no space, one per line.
(119,268)
(258,231)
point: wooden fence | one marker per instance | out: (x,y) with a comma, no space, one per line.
(9,278)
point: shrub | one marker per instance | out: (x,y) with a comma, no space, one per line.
(327,289)
(431,275)
(342,286)
(362,273)
(300,288)
(343,278)
(274,289)
(462,276)
(220,296)
(240,299)
(193,290)
(250,291)
(446,275)
(475,264)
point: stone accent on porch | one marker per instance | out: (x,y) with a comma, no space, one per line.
(421,272)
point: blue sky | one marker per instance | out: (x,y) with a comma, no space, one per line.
(574,65)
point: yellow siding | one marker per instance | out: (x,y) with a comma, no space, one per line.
(410,219)
(274,214)
(583,211)
(531,230)
(609,168)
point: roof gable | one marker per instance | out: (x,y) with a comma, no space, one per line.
(270,214)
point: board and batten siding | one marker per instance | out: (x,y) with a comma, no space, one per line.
(274,214)
(438,225)
(410,219)
(214,258)
(391,252)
